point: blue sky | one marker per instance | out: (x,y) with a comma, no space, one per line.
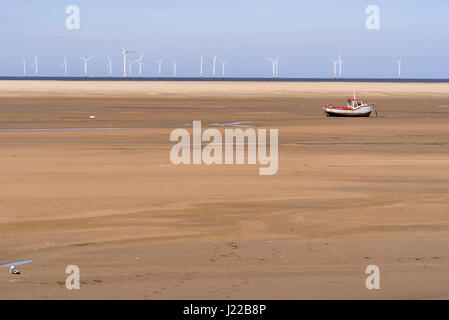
(306,34)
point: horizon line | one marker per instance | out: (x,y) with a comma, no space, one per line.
(220,79)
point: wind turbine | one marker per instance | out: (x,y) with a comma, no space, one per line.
(174,68)
(131,67)
(201,66)
(399,68)
(85,60)
(35,65)
(64,65)
(140,64)
(124,53)
(277,66)
(275,63)
(24,64)
(109,66)
(223,63)
(340,62)
(214,61)
(159,62)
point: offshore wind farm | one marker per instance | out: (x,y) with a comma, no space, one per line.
(127,70)
(337,72)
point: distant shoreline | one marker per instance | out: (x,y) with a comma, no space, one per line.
(226,79)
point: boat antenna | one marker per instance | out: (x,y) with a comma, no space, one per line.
(354,93)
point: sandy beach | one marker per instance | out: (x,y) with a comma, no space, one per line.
(103,195)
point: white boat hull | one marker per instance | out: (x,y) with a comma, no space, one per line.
(362,111)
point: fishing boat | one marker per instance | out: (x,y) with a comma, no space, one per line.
(355,108)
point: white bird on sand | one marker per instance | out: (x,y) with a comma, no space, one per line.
(13,269)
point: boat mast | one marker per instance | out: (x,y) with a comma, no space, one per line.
(353,101)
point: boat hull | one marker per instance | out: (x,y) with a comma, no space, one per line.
(335,114)
(363,111)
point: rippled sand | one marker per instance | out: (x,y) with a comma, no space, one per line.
(348,193)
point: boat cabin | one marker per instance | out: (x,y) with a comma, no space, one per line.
(354,103)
